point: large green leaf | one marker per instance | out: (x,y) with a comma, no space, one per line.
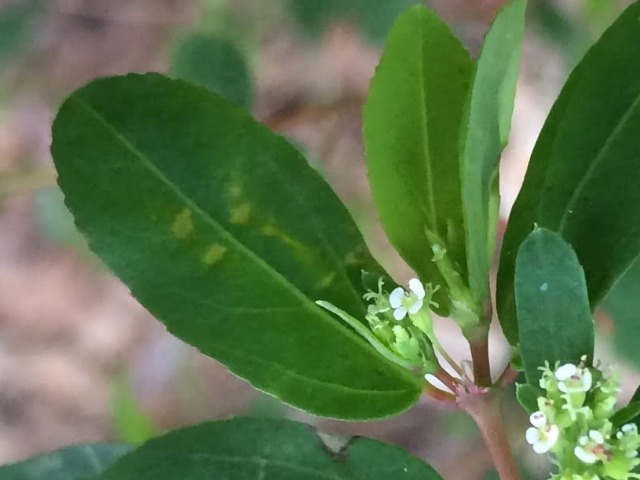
(488,123)
(266,449)
(583,176)
(623,305)
(226,235)
(554,317)
(81,462)
(216,63)
(412,126)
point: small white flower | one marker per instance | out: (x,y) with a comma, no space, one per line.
(541,436)
(407,302)
(591,448)
(538,419)
(543,439)
(573,379)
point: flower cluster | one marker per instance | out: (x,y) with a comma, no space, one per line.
(402,322)
(574,425)
(400,325)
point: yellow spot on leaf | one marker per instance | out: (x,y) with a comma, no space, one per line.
(302,252)
(214,254)
(240,214)
(235,190)
(326,281)
(182,225)
(352,258)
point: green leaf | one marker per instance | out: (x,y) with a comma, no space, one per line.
(623,305)
(583,177)
(527,396)
(227,236)
(412,124)
(488,123)
(553,307)
(215,63)
(267,449)
(81,462)
(630,413)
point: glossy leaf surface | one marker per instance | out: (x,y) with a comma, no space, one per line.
(583,177)
(224,233)
(266,449)
(81,462)
(412,126)
(488,123)
(554,316)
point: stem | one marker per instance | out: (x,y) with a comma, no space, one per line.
(479,345)
(447,379)
(485,411)
(507,377)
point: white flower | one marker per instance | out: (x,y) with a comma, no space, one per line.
(403,302)
(591,448)
(541,436)
(573,379)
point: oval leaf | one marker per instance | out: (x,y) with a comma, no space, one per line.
(81,462)
(222,230)
(266,449)
(215,63)
(583,177)
(488,123)
(412,124)
(554,317)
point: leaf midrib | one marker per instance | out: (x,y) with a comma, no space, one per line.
(602,152)
(256,460)
(306,302)
(432,220)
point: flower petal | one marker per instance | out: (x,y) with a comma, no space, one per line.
(585,455)
(538,419)
(416,306)
(566,371)
(532,435)
(399,313)
(395,299)
(417,288)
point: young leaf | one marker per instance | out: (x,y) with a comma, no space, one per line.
(583,177)
(554,317)
(80,462)
(412,124)
(269,449)
(488,123)
(227,236)
(215,63)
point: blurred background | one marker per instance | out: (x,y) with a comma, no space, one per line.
(80,360)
